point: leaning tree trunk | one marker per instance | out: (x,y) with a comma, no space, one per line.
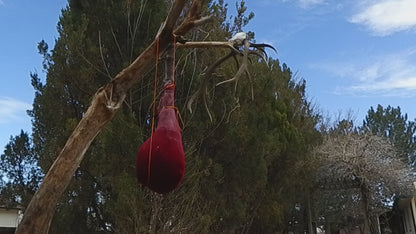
(106,101)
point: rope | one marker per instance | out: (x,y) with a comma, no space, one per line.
(171,85)
(153,114)
(174,56)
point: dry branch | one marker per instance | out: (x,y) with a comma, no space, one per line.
(364,163)
(206,44)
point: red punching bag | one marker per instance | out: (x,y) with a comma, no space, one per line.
(161,160)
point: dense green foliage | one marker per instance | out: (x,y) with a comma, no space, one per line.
(240,166)
(390,123)
(250,170)
(19,172)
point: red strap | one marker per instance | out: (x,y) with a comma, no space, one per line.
(153,114)
(169,86)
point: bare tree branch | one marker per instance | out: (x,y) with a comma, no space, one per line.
(367,162)
(206,44)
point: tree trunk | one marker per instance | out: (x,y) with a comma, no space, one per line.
(310,226)
(328,228)
(105,104)
(371,224)
(374,224)
(156,207)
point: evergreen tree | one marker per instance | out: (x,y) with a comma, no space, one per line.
(244,169)
(96,40)
(19,172)
(390,123)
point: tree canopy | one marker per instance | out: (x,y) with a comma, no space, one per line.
(19,172)
(364,171)
(390,123)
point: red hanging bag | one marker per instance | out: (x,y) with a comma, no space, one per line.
(161,159)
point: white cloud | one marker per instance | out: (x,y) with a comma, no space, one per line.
(12,110)
(1,2)
(306,4)
(387,17)
(309,3)
(389,87)
(387,75)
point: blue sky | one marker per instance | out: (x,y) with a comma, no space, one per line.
(353,54)
(23,23)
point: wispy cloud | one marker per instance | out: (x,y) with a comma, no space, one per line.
(12,110)
(1,2)
(306,4)
(387,75)
(387,17)
(310,3)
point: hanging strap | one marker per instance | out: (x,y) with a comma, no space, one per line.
(171,85)
(153,113)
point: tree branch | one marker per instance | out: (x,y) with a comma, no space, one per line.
(206,44)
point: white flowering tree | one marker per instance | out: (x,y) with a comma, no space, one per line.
(368,166)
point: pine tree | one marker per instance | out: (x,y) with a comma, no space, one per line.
(19,170)
(96,40)
(390,123)
(243,167)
